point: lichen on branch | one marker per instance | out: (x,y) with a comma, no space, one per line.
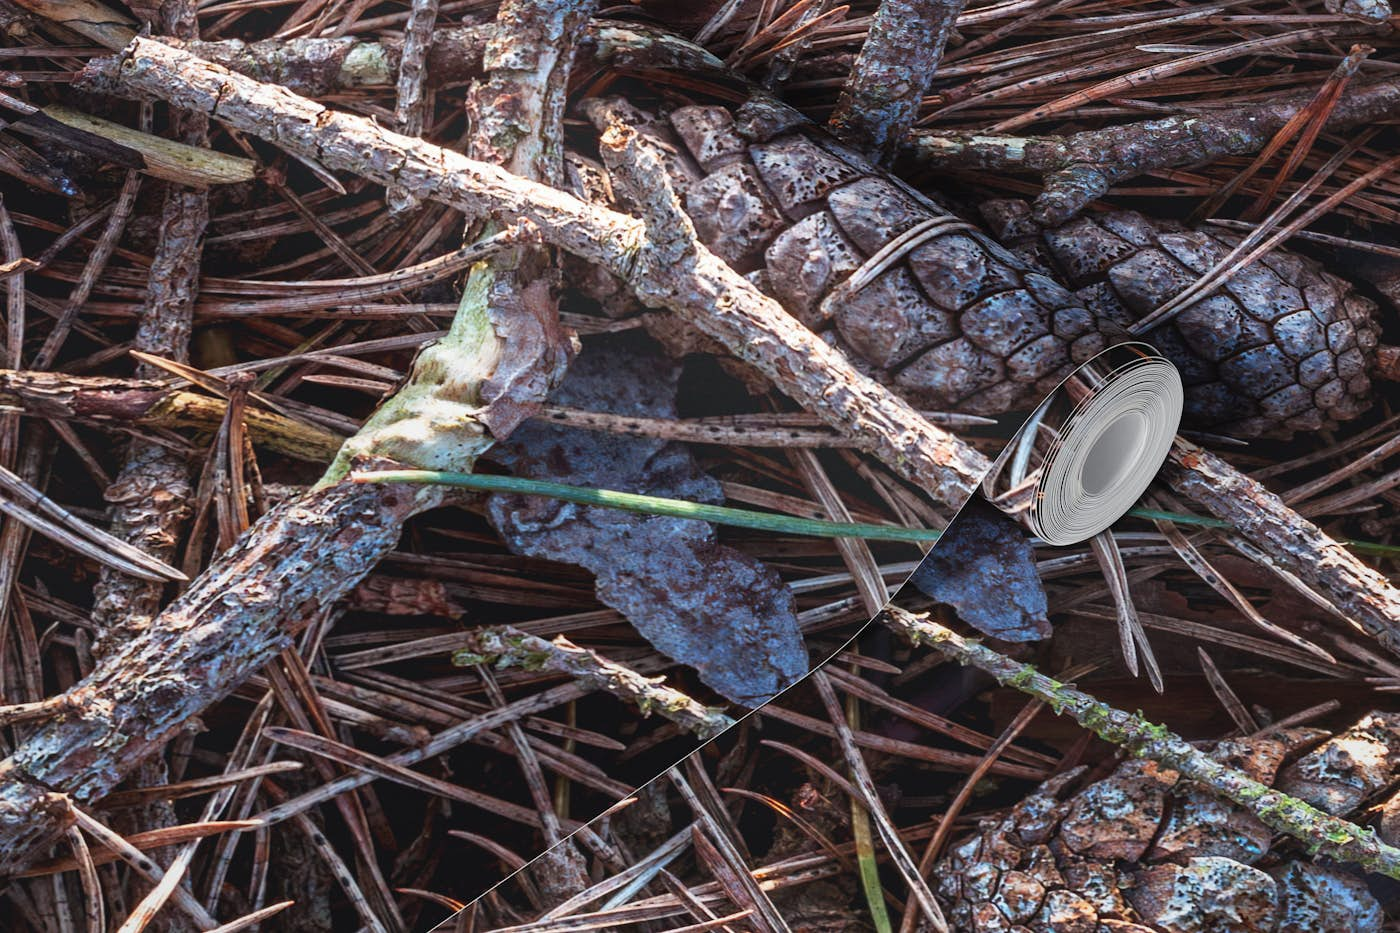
(506,646)
(1322,832)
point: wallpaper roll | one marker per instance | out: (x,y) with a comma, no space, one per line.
(1091,449)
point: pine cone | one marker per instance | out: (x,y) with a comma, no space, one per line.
(953,320)
(1282,346)
(1145,852)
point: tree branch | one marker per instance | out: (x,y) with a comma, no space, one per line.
(1083,166)
(293,563)
(1322,832)
(694,284)
(701,288)
(895,67)
(232,620)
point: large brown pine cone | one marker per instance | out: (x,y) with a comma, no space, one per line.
(1144,851)
(953,320)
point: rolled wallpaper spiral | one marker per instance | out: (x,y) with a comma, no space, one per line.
(1090,450)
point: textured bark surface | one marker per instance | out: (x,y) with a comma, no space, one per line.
(1143,850)
(1358,592)
(295,562)
(150,498)
(149,507)
(895,67)
(953,321)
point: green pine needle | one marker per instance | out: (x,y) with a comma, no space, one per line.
(739,518)
(656,505)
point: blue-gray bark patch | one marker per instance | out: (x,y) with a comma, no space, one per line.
(983,567)
(702,603)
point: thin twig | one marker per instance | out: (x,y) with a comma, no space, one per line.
(149,403)
(507,646)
